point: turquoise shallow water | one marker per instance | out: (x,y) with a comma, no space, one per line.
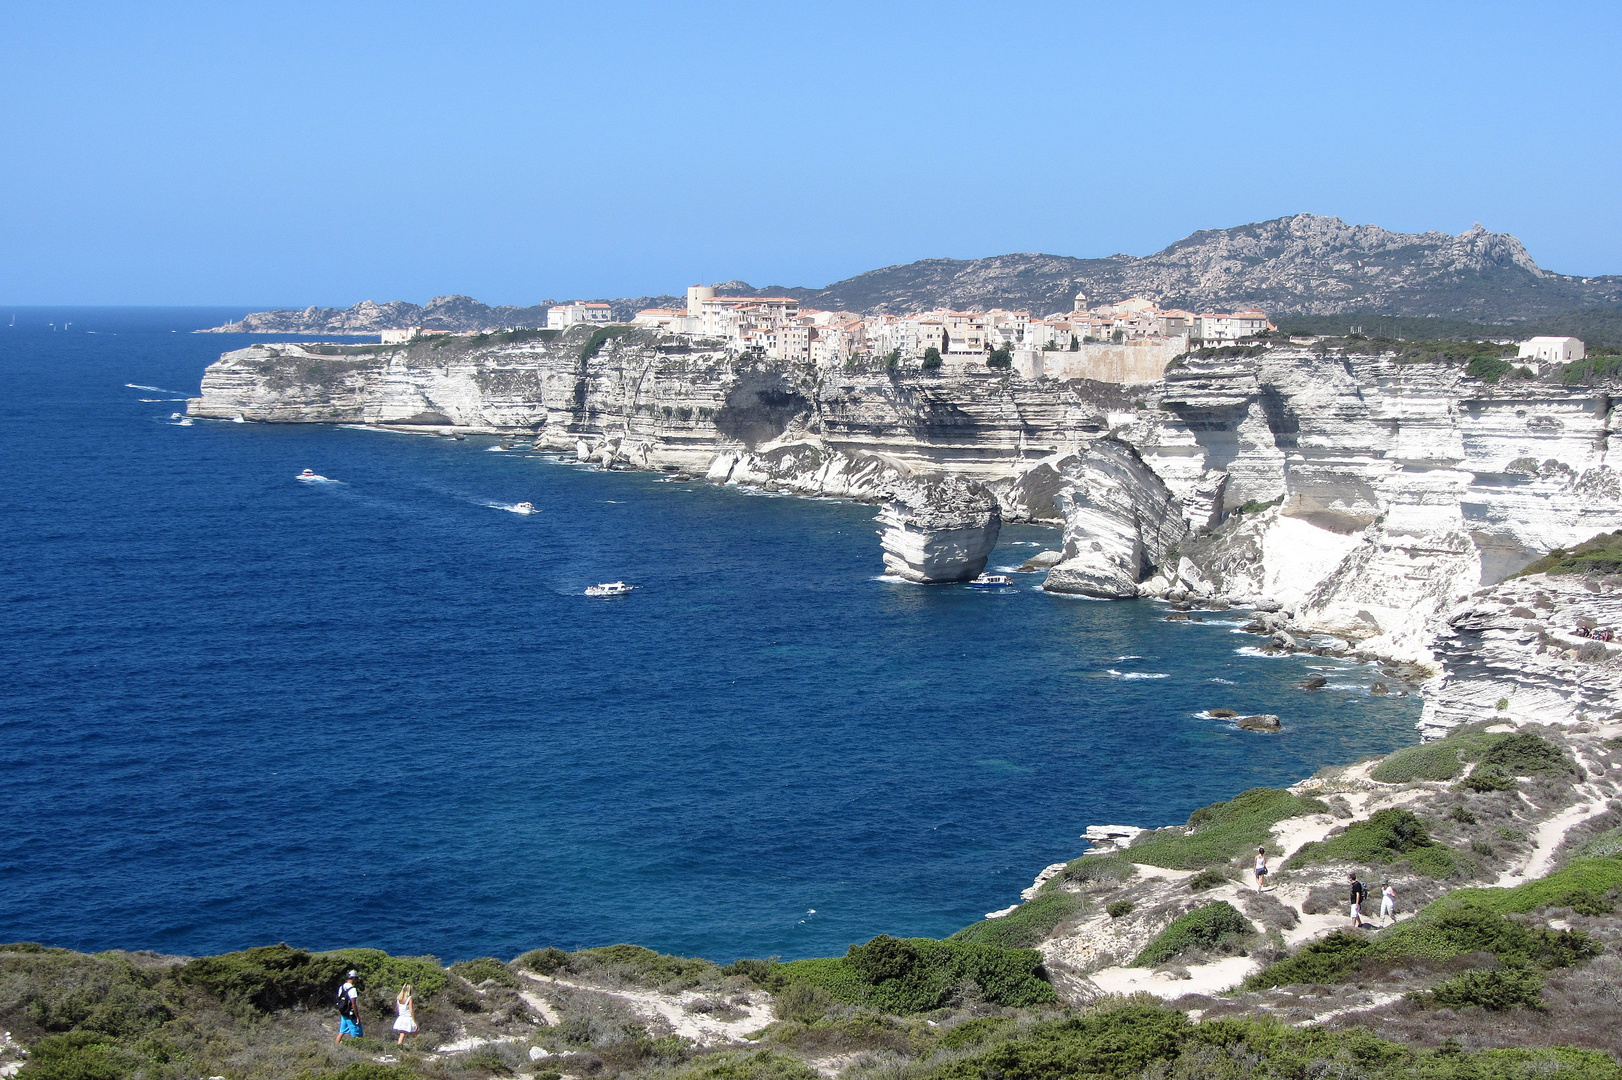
(236,709)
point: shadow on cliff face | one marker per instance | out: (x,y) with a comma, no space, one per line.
(759,408)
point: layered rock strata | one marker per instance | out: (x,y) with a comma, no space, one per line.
(1120,522)
(1361,494)
(1517,651)
(939,530)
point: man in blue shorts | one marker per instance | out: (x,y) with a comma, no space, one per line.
(348,1009)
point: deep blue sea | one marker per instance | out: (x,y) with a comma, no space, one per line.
(238,709)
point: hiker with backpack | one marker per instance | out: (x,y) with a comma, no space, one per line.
(348,1008)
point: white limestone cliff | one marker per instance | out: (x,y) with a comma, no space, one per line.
(1376,493)
(939,530)
(1120,522)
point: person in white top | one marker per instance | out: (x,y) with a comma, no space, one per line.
(1388,901)
(406,1005)
(1261,869)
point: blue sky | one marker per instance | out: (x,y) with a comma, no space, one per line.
(292,153)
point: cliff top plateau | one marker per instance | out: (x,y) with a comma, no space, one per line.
(1305,264)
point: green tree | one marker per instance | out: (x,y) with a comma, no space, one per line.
(1075,343)
(932,359)
(1000,359)
(892,359)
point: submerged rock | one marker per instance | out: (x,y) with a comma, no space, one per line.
(939,530)
(1260,722)
(1314,682)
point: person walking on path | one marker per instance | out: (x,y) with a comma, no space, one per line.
(348,1009)
(406,1006)
(1359,891)
(1261,869)
(1388,902)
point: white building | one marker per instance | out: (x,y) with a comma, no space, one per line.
(1213,327)
(1552,350)
(566,315)
(400,337)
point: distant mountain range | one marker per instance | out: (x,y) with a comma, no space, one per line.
(1305,265)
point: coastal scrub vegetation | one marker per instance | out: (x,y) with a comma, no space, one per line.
(1385,837)
(908,975)
(1428,761)
(1025,926)
(1600,554)
(1215,927)
(1221,832)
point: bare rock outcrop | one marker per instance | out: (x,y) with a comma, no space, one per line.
(1121,521)
(940,529)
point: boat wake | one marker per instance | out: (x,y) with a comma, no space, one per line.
(156,389)
(1138,674)
(513,508)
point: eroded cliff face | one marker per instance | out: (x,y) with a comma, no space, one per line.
(1362,495)
(939,529)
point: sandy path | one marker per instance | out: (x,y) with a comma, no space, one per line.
(671,1008)
(1212,978)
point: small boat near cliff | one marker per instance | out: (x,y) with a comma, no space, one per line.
(609,588)
(991,581)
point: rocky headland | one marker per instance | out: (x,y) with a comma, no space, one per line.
(1352,492)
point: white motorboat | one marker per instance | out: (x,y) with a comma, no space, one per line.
(310,475)
(523,508)
(991,581)
(609,588)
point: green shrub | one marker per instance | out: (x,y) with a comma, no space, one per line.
(79,1055)
(632,963)
(267,978)
(1207,879)
(1606,843)
(766,974)
(272,977)
(1494,990)
(1386,836)
(1000,359)
(1428,761)
(1595,876)
(1462,815)
(1219,833)
(1586,902)
(1137,1040)
(1488,369)
(1204,928)
(1327,960)
(1527,754)
(1119,908)
(1102,869)
(371,1070)
(1026,925)
(1488,778)
(746,1065)
(1600,554)
(547,961)
(906,975)
(485,967)
(801,1003)
(932,359)
(1469,927)
(57,990)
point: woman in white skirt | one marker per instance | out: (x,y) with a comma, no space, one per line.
(406,1006)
